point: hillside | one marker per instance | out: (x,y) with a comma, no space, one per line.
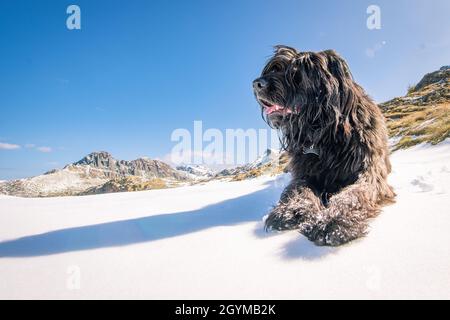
(423,114)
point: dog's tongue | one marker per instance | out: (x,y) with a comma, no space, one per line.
(276,108)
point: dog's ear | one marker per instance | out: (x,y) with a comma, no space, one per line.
(337,66)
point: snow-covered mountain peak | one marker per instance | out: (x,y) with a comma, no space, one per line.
(196,170)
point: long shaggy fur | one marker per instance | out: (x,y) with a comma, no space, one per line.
(335,190)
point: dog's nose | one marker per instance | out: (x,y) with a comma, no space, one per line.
(259,84)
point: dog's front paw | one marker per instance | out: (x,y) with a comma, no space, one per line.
(293,210)
(332,233)
(280,219)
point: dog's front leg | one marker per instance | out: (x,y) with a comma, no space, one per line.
(297,204)
(345,218)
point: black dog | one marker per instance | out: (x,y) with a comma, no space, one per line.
(336,138)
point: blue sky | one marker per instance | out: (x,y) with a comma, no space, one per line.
(137,70)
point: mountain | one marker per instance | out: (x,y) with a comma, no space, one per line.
(423,114)
(142,167)
(272,162)
(98,172)
(196,171)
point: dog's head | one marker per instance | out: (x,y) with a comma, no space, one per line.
(302,84)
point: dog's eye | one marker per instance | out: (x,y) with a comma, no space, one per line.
(274,68)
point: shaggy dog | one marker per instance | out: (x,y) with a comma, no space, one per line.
(336,138)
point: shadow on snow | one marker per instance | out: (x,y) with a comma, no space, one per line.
(247,208)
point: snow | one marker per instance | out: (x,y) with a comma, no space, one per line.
(206,241)
(196,171)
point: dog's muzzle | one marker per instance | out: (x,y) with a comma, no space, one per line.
(259,85)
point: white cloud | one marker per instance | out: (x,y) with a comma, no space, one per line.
(8,146)
(40,149)
(44,149)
